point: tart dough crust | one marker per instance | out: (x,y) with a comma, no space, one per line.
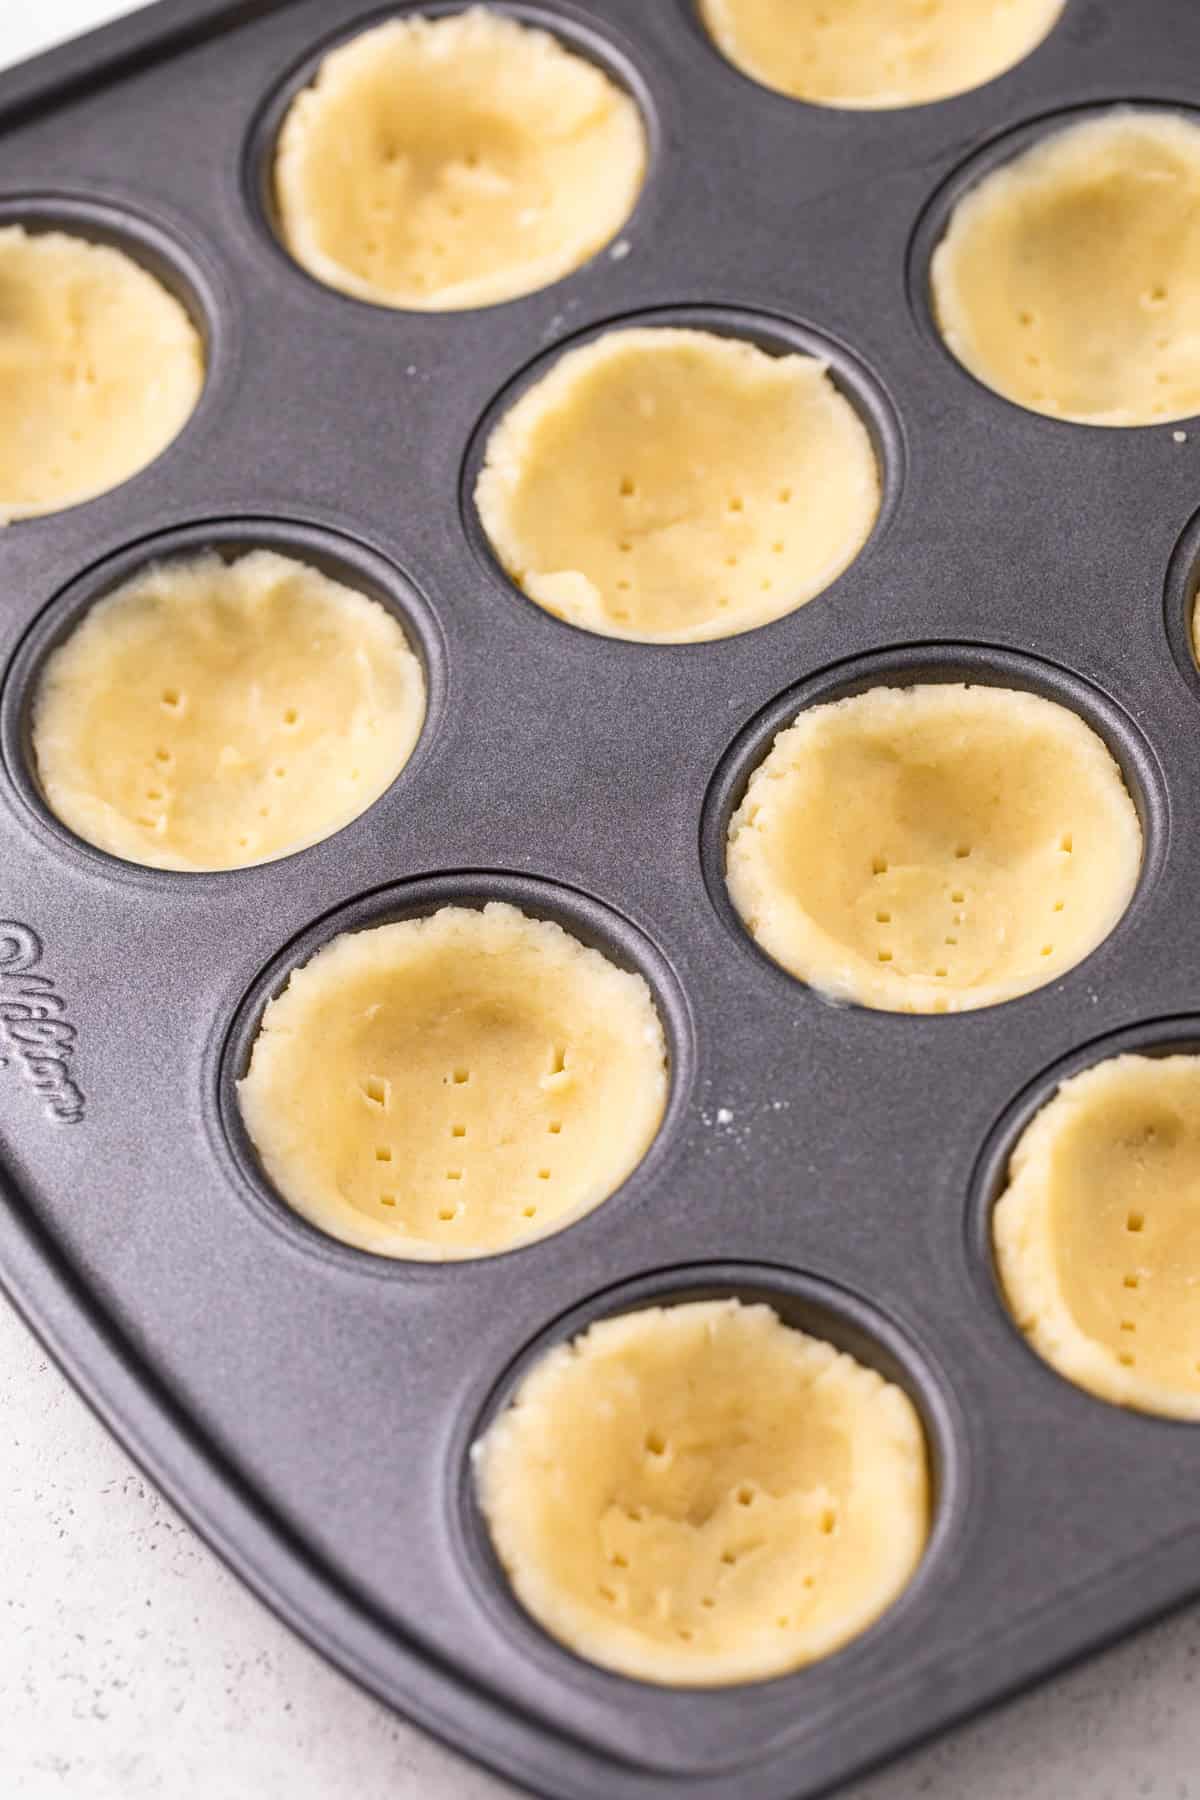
(933,848)
(211,714)
(455,162)
(1098,1234)
(877,53)
(455,1085)
(100,367)
(701,1494)
(672,485)
(1069,279)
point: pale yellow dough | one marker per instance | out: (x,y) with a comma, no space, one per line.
(211,714)
(877,53)
(699,1494)
(100,367)
(455,1085)
(934,848)
(1069,280)
(1098,1234)
(672,485)
(455,162)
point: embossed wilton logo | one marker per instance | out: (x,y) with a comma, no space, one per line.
(32,1027)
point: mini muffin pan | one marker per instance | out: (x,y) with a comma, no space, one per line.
(311,1408)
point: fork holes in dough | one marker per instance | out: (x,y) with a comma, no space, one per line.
(103,367)
(1092,234)
(490,159)
(455,1026)
(179,668)
(562,507)
(746,1518)
(1097,1234)
(913,766)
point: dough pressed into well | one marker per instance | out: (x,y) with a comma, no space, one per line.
(1097,1235)
(1069,279)
(670,485)
(700,1494)
(454,1085)
(877,53)
(211,714)
(100,367)
(933,848)
(441,163)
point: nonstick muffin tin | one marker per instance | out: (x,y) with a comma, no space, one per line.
(311,1408)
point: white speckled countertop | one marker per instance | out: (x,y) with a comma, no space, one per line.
(133,1667)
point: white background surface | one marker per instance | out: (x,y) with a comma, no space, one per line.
(133,1667)
(27,26)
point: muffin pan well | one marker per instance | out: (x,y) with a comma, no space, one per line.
(1064,278)
(102,369)
(212,712)
(670,485)
(311,1406)
(455,1084)
(877,53)
(933,847)
(698,1494)
(449,162)
(1095,1235)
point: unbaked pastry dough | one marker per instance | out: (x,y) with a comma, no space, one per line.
(1069,280)
(874,53)
(1098,1233)
(1196,628)
(211,714)
(456,161)
(701,1494)
(671,485)
(934,848)
(100,367)
(455,1085)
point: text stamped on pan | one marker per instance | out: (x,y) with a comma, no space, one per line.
(34,1035)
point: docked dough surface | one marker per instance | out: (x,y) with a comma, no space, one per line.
(455,1085)
(212,714)
(877,53)
(454,162)
(934,848)
(1069,279)
(672,485)
(100,367)
(1098,1234)
(699,1494)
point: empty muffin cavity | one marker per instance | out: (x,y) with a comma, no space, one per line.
(670,485)
(934,848)
(1067,278)
(1097,1235)
(699,1493)
(454,1085)
(210,714)
(456,161)
(100,367)
(877,53)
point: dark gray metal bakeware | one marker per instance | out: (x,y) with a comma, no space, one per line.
(311,1409)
